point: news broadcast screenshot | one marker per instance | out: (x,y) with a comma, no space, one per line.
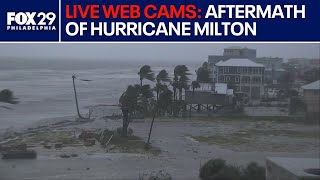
(159,90)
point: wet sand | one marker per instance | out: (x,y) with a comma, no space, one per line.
(182,154)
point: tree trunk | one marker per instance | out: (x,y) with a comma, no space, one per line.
(191,102)
(180,94)
(154,115)
(125,123)
(157,95)
(76,97)
(140,82)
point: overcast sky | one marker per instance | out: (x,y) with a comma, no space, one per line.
(181,52)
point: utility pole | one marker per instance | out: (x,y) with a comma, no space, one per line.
(76,97)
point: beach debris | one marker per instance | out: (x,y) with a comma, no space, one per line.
(88,137)
(86,134)
(90,142)
(47,146)
(17,154)
(17,147)
(58,146)
(104,137)
(68,155)
(74,155)
(65,156)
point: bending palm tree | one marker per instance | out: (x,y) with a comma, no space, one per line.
(128,103)
(161,77)
(181,73)
(195,85)
(146,73)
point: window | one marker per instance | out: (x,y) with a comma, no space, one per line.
(245,79)
(238,70)
(220,78)
(256,80)
(227,79)
(237,79)
(226,69)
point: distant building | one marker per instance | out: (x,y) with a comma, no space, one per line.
(311,93)
(272,76)
(272,64)
(302,65)
(239,52)
(245,75)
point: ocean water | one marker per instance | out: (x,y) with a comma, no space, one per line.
(44,87)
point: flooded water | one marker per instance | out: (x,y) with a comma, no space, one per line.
(44,87)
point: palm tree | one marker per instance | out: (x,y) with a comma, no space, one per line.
(7,96)
(174,86)
(162,77)
(128,103)
(165,100)
(183,84)
(194,85)
(146,73)
(145,98)
(181,73)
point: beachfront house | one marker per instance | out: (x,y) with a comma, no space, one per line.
(244,75)
(311,94)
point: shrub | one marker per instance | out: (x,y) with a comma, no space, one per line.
(211,168)
(217,169)
(161,175)
(253,171)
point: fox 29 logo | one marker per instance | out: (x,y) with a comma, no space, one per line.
(31,21)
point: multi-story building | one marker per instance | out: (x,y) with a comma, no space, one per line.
(311,94)
(273,65)
(245,75)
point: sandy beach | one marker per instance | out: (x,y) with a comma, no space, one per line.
(185,144)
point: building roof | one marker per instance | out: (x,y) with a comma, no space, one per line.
(279,69)
(315,85)
(234,47)
(239,63)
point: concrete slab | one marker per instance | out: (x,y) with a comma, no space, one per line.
(279,168)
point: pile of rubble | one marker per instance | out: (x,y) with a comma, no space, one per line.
(19,151)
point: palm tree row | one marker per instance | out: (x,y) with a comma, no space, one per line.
(141,98)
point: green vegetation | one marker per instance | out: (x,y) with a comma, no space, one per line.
(217,169)
(160,175)
(157,101)
(7,96)
(218,139)
(203,74)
